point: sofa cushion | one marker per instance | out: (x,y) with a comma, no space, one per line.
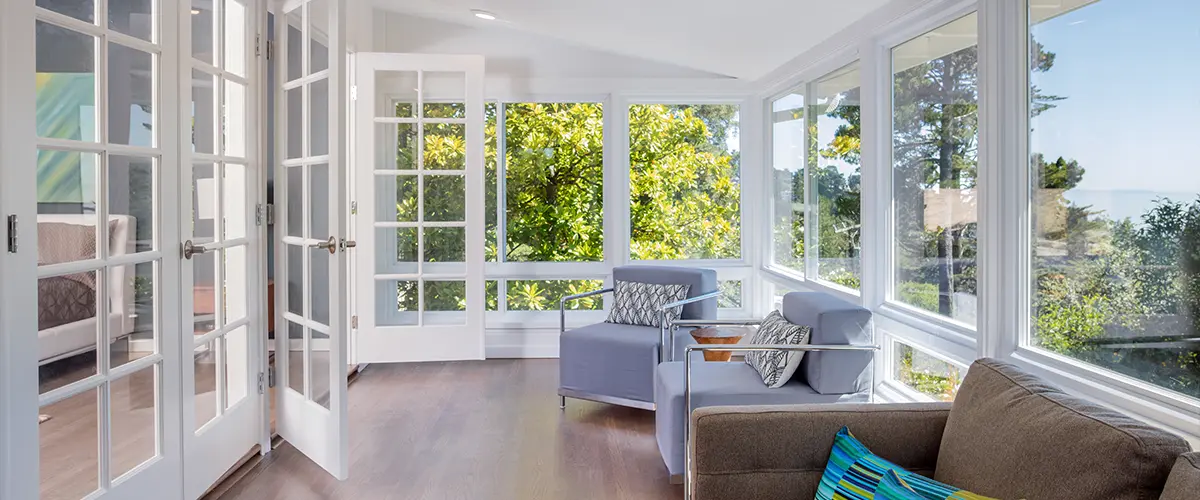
(699,281)
(1011,435)
(834,322)
(641,304)
(777,367)
(1184,482)
(716,383)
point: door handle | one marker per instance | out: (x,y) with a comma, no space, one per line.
(346,244)
(331,244)
(190,249)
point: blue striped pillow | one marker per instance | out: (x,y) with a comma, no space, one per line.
(854,473)
(894,488)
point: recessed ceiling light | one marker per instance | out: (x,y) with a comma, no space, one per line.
(195,12)
(483,14)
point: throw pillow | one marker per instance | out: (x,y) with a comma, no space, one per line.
(891,487)
(853,472)
(641,304)
(777,367)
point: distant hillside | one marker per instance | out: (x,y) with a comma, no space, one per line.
(1118,205)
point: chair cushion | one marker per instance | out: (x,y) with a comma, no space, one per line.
(718,383)
(1185,478)
(641,304)
(777,367)
(1011,435)
(834,322)
(699,281)
(854,472)
(608,359)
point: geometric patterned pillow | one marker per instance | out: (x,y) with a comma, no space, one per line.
(854,473)
(639,304)
(777,367)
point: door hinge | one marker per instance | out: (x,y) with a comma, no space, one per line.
(260,213)
(270,378)
(262,383)
(270,49)
(354,92)
(354,208)
(269,213)
(12,233)
(354,321)
(257,45)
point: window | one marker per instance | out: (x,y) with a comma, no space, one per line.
(1116,190)
(544,295)
(935,125)
(926,373)
(684,182)
(787,182)
(835,146)
(554,182)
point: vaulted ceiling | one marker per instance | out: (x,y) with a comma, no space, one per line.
(738,38)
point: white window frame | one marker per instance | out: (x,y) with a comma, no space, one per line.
(1004,232)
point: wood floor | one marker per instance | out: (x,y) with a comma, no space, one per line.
(474,430)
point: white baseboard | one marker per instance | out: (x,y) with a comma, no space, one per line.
(521,343)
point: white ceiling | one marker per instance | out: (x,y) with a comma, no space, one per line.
(738,38)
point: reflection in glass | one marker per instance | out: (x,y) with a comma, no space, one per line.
(131,114)
(69,443)
(835,175)
(935,124)
(131,204)
(787,216)
(1115,180)
(67,312)
(66,83)
(133,405)
(204,365)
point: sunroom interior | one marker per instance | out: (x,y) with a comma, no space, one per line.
(422,196)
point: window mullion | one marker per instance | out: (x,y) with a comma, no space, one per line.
(501,187)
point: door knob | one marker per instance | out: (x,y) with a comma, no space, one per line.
(331,244)
(190,249)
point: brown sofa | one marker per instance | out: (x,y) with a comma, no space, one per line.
(1008,435)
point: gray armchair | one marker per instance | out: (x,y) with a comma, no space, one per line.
(612,363)
(835,369)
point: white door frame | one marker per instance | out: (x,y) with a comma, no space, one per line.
(418,339)
(18,369)
(318,431)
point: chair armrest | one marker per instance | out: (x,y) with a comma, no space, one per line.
(688,477)
(680,303)
(562,306)
(716,322)
(781,451)
(666,329)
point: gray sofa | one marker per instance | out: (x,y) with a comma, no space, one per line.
(823,377)
(613,363)
(1007,435)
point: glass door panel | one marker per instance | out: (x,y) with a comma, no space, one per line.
(422,277)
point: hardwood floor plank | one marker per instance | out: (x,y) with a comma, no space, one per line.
(475,430)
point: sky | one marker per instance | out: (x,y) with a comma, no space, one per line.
(1130,72)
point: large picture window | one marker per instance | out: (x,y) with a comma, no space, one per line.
(554,182)
(685,182)
(834,157)
(1115,179)
(935,124)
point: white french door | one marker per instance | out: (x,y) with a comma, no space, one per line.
(419,186)
(221,271)
(96,277)
(312,323)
